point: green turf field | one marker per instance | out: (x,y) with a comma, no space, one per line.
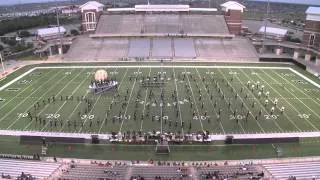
(214,98)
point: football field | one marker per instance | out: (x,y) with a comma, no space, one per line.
(169,98)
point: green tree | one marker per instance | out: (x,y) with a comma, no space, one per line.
(74,32)
(24,33)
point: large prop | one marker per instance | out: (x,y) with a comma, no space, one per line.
(101,82)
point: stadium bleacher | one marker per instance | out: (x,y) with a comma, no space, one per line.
(162,23)
(229,172)
(94,171)
(37,169)
(299,170)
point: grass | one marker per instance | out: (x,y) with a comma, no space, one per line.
(217,87)
(200,93)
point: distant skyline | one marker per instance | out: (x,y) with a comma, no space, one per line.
(307,2)
(11,2)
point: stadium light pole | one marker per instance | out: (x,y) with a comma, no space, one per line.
(265,26)
(1,58)
(59,31)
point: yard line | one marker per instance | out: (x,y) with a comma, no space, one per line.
(241,101)
(210,101)
(23,91)
(84,122)
(125,112)
(53,86)
(113,100)
(74,109)
(175,82)
(76,89)
(288,118)
(264,108)
(7,114)
(296,96)
(195,103)
(144,105)
(289,102)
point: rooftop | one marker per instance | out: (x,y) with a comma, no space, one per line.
(232,5)
(274,31)
(51,31)
(313,10)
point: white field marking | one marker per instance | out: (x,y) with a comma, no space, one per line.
(42,111)
(289,119)
(165,66)
(22,92)
(289,102)
(297,97)
(194,100)
(304,77)
(310,98)
(144,105)
(210,100)
(74,109)
(241,101)
(125,112)
(175,83)
(76,89)
(155,66)
(13,123)
(259,102)
(125,74)
(7,114)
(84,122)
(16,79)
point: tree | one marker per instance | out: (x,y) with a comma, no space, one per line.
(74,32)
(1,48)
(24,34)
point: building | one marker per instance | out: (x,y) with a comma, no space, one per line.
(91,12)
(233,15)
(311,33)
(273,33)
(163,31)
(45,34)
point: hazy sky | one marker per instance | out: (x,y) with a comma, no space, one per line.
(8,2)
(309,2)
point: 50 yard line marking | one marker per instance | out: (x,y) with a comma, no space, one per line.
(125,112)
(113,99)
(175,82)
(145,102)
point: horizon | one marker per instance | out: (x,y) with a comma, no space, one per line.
(305,2)
(14,2)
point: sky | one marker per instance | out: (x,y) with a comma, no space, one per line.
(9,2)
(308,2)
